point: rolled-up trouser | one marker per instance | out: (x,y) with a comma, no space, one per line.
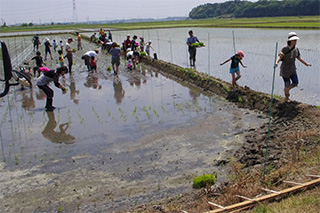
(49,93)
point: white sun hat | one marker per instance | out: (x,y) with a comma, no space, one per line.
(292,36)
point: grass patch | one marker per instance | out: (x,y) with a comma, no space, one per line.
(203,181)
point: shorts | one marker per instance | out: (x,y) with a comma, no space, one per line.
(234,70)
(115,61)
(293,78)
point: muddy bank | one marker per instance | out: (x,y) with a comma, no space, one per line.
(294,131)
(287,118)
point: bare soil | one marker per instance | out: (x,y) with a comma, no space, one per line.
(293,147)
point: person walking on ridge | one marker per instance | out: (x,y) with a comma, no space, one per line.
(288,70)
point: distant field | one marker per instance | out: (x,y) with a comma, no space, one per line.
(305,22)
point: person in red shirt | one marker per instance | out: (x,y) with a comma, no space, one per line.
(93,64)
(126,43)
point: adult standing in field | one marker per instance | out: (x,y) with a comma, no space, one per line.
(86,57)
(79,41)
(36,42)
(115,57)
(109,35)
(47,46)
(192,49)
(69,54)
(288,70)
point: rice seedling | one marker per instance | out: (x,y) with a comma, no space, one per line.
(109,113)
(80,117)
(121,111)
(97,115)
(147,112)
(156,113)
(16,159)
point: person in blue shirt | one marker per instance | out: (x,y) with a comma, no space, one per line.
(234,68)
(192,49)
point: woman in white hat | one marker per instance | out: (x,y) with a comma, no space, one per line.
(288,55)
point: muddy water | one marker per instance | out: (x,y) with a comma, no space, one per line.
(113,141)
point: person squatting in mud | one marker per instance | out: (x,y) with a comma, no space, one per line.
(288,70)
(45,79)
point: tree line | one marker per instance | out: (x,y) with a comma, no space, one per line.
(261,8)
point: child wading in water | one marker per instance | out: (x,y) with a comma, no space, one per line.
(234,68)
(93,64)
(61,59)
(39,62)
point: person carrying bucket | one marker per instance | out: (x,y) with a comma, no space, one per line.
(288,56)
(234,67)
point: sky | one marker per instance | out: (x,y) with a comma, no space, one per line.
(48,11)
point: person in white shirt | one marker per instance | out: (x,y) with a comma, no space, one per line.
(86,57)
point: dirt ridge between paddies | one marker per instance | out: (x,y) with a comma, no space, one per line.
(294,146)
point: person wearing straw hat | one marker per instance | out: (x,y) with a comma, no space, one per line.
(288,70)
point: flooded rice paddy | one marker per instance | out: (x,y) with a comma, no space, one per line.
(259,46)
(113,141)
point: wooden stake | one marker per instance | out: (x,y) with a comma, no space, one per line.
(316,176)
(264,198)
(294,183)
(214,204)
(272,191)
(243,197)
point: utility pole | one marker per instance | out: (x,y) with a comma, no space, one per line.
(74,19)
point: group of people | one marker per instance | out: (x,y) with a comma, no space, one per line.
(132,49)
(287,56)
(45,75)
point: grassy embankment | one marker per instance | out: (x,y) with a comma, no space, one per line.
(304,22)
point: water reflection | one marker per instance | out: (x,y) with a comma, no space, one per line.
(118,90)
(194,93)
(73,90)
(28,102)
(40,95)
(59,136)
(92,81)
